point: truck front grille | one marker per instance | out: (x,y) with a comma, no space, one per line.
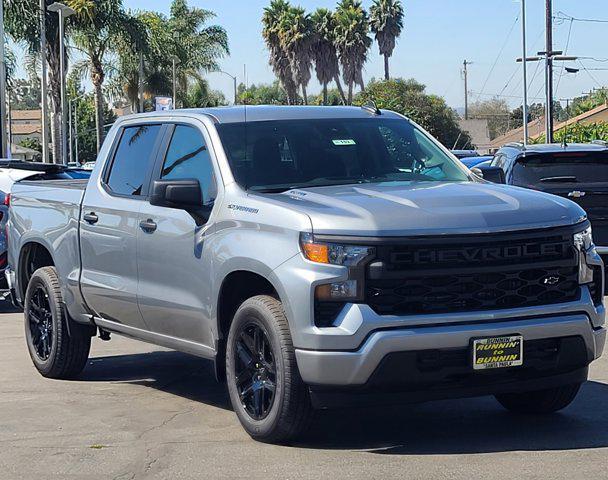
(486,272)
(470,292)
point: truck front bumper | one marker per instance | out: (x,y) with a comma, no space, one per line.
(427,354)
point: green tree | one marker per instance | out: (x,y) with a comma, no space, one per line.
(497,112)
(24,94)
(386,22)
(324,51)
(262,94)
(409,98)
(296,40)
(332,97)
(184,35)
(84,117)
(352,42)
(279,60)
(101,25)
(199,95)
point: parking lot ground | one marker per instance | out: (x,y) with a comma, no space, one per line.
(139,411)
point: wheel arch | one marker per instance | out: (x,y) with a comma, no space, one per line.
(237,286)
(32,256)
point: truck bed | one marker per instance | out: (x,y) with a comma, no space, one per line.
(48,212)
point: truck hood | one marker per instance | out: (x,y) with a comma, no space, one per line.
(428,208)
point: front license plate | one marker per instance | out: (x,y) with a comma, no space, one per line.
(498,352)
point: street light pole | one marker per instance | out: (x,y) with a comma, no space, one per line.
(5,147)
(44,85)
(63,11)
(140,82)
(234,79)
(174,83)
(524,72)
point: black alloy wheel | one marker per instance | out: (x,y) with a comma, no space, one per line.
(255,370)
(40,320)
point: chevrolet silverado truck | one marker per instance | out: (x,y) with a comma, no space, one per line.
(319,256)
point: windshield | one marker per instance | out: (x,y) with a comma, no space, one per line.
(566,167)
(279,155)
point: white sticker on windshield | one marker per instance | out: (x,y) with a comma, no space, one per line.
(345,141)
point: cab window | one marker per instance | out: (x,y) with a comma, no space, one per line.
(187,158)
(133,159)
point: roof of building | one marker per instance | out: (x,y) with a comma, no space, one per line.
(26,114)
(25,129)
(260,113)
(536,127)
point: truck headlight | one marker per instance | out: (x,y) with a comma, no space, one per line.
(583,241)
(351,256)
(333,253)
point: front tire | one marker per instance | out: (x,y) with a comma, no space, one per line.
(265,387)
(540,402)
(58,350)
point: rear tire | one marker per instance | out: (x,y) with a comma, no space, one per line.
(265,387)
(539,402)
(58,347)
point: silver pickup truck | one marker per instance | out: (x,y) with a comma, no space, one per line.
(320,256)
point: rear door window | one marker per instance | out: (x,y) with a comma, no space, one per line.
(133,159)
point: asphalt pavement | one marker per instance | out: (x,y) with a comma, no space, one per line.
(140,411)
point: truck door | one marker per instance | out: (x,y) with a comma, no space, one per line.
(174,277)
(110,223)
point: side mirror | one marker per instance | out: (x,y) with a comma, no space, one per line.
(184,194)
(491,174)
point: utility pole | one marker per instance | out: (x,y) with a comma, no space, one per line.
(76,131)
(44,85)
(549,71)
(524,65)
(5,147)
(70,132)
(466,89)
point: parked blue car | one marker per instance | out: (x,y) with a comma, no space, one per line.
(471,162)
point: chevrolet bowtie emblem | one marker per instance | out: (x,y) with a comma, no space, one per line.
(577,194)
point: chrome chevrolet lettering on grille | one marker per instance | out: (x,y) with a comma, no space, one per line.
(480,254)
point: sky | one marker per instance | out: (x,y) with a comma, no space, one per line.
(438,36)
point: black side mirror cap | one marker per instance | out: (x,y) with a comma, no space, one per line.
(183,194)
(491,174)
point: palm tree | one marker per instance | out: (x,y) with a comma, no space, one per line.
(324,51)
(184,35)
(278,58)
(100,26)
(386,22)
(352,42)
(296,39)
(22,22)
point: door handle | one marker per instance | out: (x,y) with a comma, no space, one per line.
(90,218)
(148,226)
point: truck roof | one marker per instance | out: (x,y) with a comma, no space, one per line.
(260,113)
(558,147)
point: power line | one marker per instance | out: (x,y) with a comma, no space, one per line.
(506,96)
(563,17)
(499,54)
(561,74)
(590,76)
